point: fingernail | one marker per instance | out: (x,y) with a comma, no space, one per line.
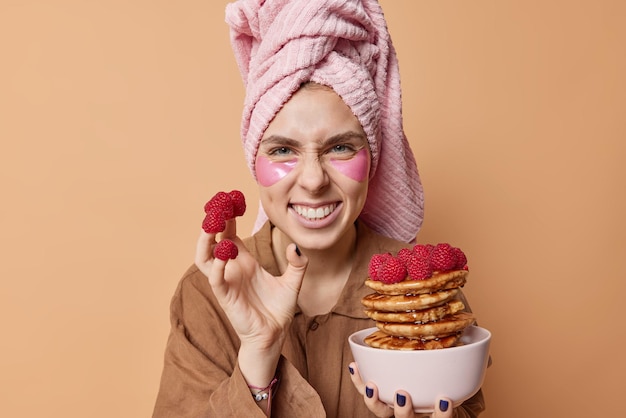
(369,392)
(443,405)
(298,251)
(400,399)
(350,369)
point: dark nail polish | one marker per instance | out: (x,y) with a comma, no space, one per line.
(400,399)
(298,251)
(443,405)
(369,392)
(350,369)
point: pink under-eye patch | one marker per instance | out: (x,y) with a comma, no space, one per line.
(357,167)
(269,172)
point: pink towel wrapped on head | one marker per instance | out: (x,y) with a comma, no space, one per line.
(343,44)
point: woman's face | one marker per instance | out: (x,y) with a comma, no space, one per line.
(312,168)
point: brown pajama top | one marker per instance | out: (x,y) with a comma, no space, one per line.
(201,377)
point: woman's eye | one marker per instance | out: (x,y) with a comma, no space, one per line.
(280,151)
(343,149)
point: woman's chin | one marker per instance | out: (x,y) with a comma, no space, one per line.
(319,239)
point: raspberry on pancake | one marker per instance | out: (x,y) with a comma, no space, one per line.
(439,281)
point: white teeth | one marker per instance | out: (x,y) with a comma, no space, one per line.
(318,213)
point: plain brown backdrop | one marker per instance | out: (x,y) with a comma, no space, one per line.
(119,118)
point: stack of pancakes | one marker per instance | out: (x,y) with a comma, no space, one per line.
(418,314)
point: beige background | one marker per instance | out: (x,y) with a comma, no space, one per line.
(119,118)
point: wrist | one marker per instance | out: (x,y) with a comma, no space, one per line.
(258,367)
(263,395)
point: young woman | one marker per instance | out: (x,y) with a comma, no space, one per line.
(266,333)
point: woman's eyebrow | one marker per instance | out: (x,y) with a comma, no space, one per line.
(345,137)
(279,140)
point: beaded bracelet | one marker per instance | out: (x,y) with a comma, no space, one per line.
(264,393)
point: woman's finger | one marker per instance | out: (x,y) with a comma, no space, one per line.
(204,249)
(212,267)
(296,266)
(403,406)
(378,408)
(231,229)
(443,408)
(356,378)
(369,393)
(216,278)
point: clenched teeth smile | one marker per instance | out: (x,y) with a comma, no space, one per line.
(315,213)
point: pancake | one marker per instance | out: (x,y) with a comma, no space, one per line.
(403,303)
(449,325)
(425,315)
(439,281)
(381,340)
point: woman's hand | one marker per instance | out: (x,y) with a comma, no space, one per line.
(259,306)
(403,407)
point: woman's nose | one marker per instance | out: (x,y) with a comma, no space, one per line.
(313,176)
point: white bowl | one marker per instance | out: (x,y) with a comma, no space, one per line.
(456,373)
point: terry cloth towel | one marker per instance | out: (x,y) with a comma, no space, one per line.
(343,44)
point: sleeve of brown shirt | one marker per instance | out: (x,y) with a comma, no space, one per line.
(200,374)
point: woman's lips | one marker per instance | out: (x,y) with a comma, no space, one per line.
(316,216)
(314,213)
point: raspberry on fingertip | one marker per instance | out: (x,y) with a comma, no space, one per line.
(214,222)
(239,202)
(225,250)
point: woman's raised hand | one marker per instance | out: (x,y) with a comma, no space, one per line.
(259,306)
